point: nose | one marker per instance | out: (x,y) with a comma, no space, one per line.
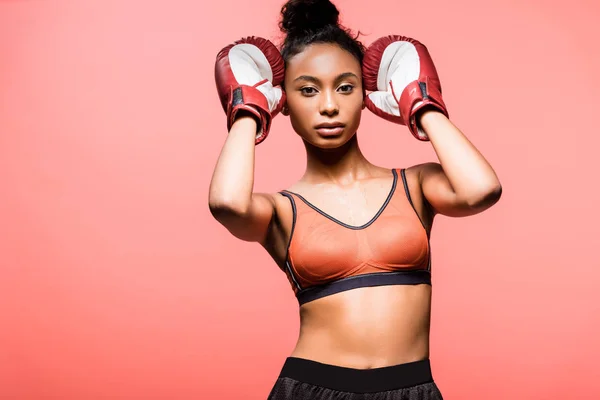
(329,105)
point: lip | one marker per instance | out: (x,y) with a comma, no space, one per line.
(330,125)
(331,131)
(330,128)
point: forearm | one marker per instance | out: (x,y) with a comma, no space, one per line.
(233,177)
(469,173)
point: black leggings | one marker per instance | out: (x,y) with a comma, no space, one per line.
(302,379)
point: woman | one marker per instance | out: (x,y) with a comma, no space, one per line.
(351,236)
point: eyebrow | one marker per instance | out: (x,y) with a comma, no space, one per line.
(317,81)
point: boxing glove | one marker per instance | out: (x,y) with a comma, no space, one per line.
(403,80)
(247,74)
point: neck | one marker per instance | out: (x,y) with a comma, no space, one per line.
(342,165)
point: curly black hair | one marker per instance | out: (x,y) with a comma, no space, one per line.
(315,21)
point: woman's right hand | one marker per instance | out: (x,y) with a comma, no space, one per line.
(247,74)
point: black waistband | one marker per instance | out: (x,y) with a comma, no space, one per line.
(412,277)
(357,380)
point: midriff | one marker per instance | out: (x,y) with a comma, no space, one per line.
(368,327)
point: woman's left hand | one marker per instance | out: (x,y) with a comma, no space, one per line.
(402,77)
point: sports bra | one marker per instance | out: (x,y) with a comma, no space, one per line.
(326,256)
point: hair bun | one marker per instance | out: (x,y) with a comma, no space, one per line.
(305,16)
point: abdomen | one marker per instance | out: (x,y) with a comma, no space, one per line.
(367,327)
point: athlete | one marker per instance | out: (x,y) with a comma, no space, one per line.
(351,236)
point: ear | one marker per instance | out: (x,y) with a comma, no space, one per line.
(285,110)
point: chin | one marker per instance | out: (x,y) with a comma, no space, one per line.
(331,142)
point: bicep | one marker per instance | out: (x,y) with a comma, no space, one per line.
(439,194)
(251,225)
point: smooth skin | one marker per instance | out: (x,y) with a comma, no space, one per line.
(366,327)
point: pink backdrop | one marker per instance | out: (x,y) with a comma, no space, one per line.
(116,282)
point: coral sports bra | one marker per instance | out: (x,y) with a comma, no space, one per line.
(326,256)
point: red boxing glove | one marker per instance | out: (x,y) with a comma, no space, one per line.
(246,74)
(400,74)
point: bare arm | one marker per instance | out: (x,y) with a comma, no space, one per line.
(245,214)
(463,183)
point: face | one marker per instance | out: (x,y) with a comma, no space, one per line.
(323,86)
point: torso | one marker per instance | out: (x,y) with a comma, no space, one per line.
(367,327)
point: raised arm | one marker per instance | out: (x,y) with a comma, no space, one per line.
(463,183)
(406,90)
(246,74)
(231,200)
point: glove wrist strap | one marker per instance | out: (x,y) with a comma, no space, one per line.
(250,99)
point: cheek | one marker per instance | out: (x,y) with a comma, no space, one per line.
(354,105)
(300,109)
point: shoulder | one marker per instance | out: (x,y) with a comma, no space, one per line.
(283,218)
(430,172)
(412,180)
(411,176)
(283,204)
(423,170)
(275,199)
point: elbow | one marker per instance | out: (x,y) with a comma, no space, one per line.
(486,198)
(220,208)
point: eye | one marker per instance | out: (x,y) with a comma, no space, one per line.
(308,90)
(346,88)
